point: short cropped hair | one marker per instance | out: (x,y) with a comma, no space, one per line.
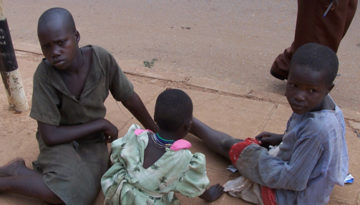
(318,58)
(54,13)
(173,108)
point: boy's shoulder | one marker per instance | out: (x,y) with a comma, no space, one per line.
(103,57)
(327,117)
(43,70)
(324,124)
(98,50)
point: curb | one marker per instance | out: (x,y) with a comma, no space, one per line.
(203,84)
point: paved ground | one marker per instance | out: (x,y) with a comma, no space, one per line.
(225,107)
(232,41)
(219,52)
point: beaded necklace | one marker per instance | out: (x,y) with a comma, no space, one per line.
(161,142)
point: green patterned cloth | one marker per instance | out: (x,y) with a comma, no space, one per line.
(128,182)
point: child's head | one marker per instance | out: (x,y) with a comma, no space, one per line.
(58,37)
(313,69)
(173,111)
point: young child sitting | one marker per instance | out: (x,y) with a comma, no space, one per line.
(312,153)
(148,167)
(70,87)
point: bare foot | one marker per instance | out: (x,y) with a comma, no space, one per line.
(15,167)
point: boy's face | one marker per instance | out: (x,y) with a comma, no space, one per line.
(306,89)
(59,44)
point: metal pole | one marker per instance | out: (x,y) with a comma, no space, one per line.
(8,68)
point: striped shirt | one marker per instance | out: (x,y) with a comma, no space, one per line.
(312,158)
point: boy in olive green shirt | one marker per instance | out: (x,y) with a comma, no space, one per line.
(70,87)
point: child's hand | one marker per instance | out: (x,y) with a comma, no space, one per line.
(267,138)
(213,193)
(110,131)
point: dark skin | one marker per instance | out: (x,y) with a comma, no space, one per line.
(306,91)
(59,44)
(153,152)
(267,138)
(217,141)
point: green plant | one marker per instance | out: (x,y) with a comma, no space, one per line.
(149,64)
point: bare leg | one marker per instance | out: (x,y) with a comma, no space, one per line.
(215,140)
(17,178)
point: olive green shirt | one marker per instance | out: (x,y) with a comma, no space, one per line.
(52,102)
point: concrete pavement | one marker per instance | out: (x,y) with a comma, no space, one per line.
(238,111)
(234,41)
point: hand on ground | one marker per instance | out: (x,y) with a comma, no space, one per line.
(213,193)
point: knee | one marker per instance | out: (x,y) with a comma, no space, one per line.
(227,144)
(52,198)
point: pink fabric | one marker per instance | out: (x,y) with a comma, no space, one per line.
(140,131)
(180,144)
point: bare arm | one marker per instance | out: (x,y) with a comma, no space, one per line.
(54,135)
(217,141)
(135,105)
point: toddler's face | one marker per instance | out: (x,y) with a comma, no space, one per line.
(306,89)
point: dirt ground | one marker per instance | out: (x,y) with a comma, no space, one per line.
(220,51)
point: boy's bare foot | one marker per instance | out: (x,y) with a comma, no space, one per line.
(15,167)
